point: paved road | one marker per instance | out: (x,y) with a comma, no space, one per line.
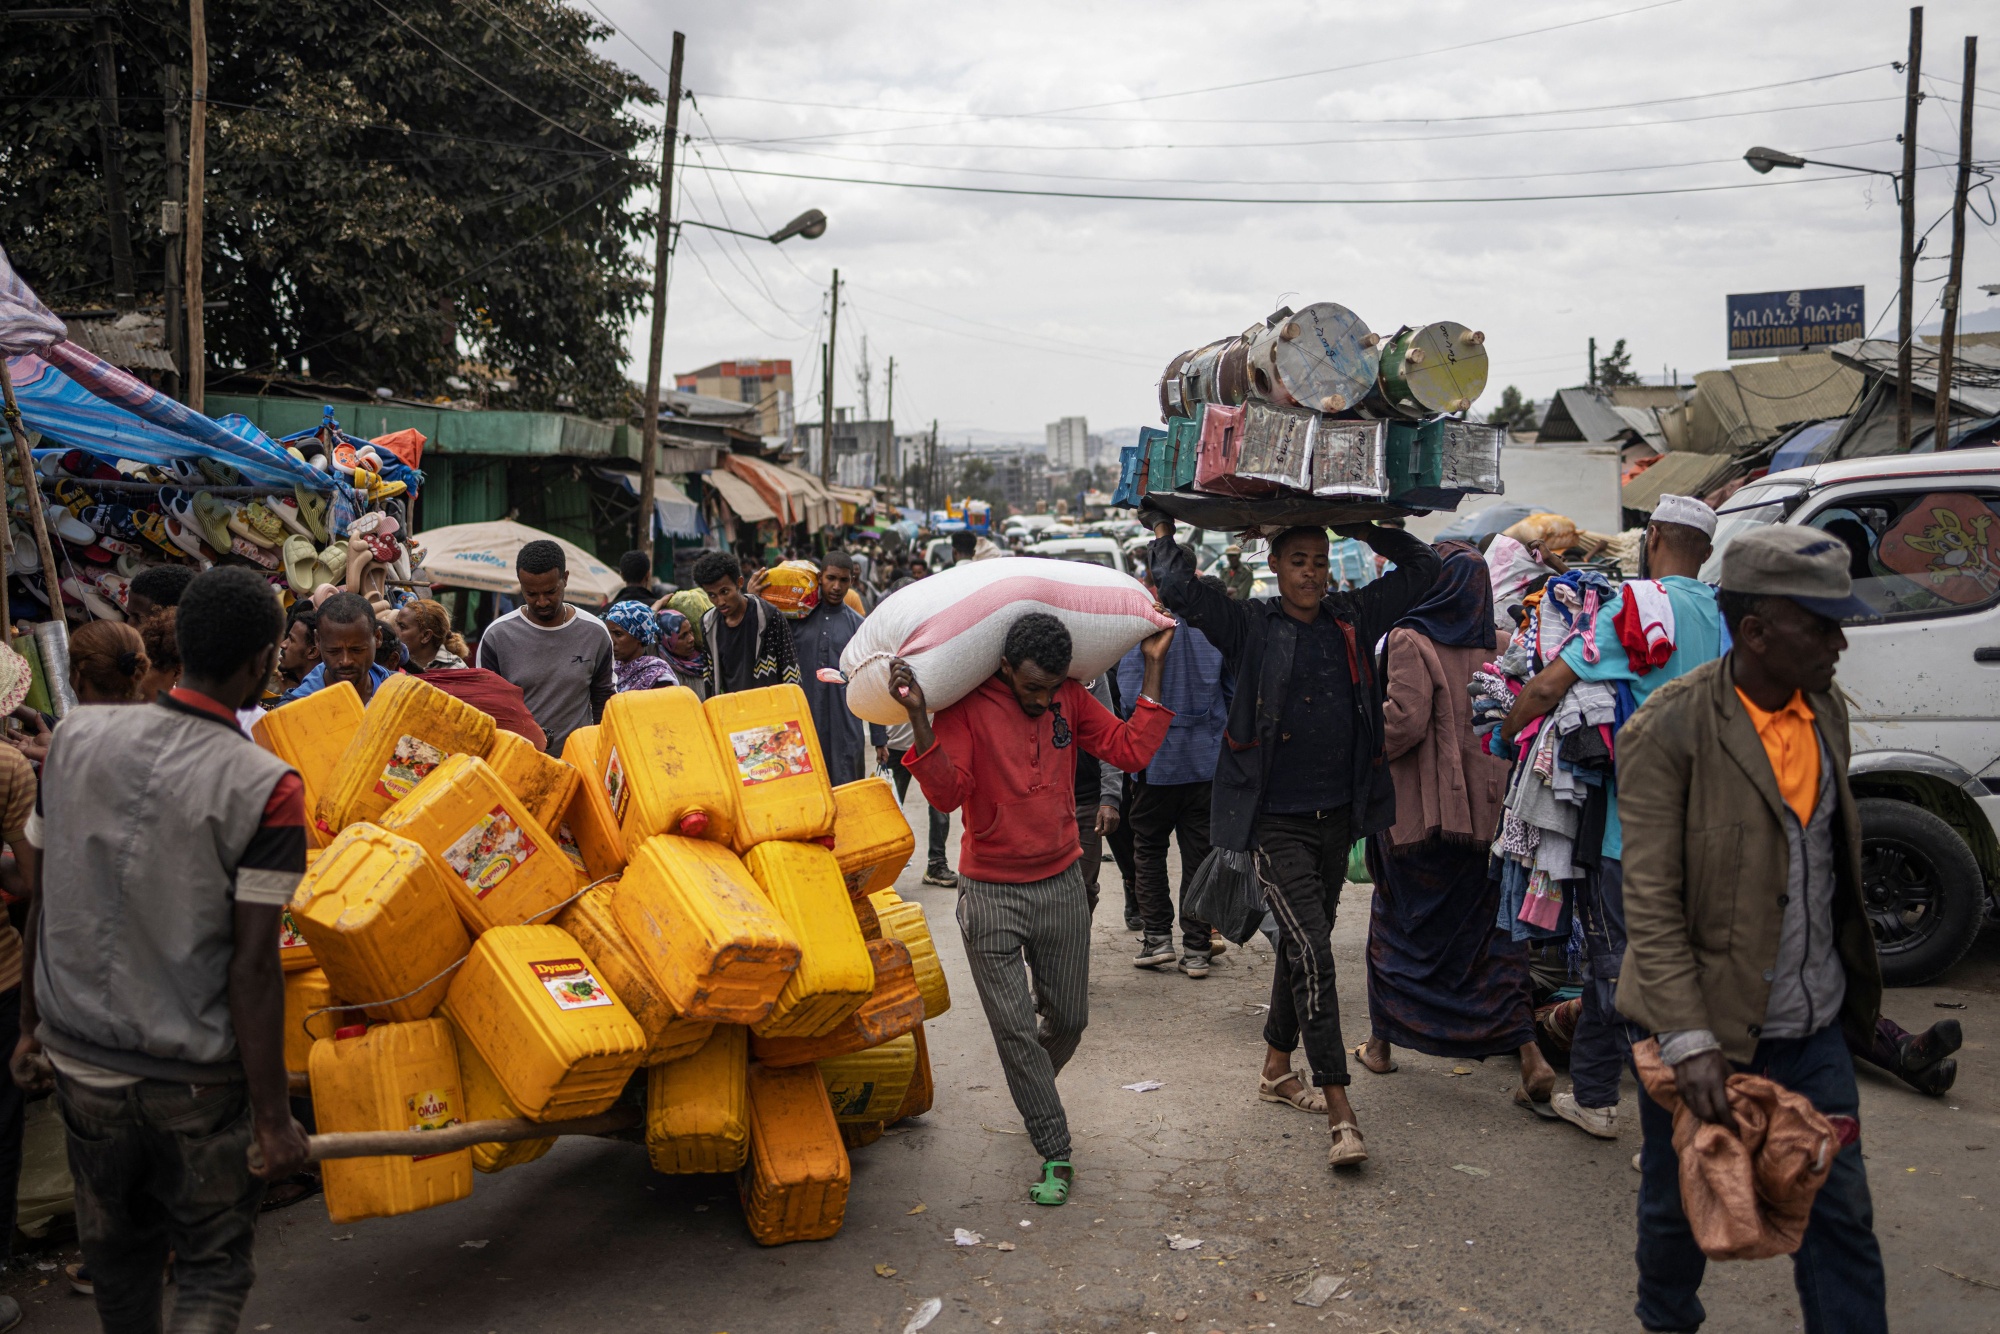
(1538,1238)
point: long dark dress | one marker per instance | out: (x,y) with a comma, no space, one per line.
(818,638)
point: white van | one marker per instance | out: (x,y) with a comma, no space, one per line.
(1922,685)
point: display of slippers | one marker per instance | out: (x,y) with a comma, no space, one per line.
(25,557)
(249,550)
(153,528)
(218,473)
(286,510)
(72,497)
(383,549)
(301,562)
(111,521)
(211,516)
(115,587)
(239,523)
(65,525)
(343,460)
(312,512)
(184,472)
(92,601)
(79,463)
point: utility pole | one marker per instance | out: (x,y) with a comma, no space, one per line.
(1951,285)
(663,249)
(173,224)
(826,401)
(862,379)
(111,141)
(930,475)
(196,380)
(892,396)
(1905,334)
(1593,363)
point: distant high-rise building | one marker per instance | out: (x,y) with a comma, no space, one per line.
(765,385)
(1069,443)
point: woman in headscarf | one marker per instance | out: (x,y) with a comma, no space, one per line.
(1442,979)
(678,648)
(635,634)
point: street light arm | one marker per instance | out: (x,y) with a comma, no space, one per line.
(811,224)
(1762,160)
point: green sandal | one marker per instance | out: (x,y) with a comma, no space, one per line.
(1052,1189)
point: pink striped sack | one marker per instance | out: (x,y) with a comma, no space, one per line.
(950,627)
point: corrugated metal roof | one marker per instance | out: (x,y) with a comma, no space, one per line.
(1736,409)
(1975,370)
(1679,474)
(1581,416)
(1646,422)
(132,341)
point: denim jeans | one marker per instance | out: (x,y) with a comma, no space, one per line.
(1598,1051)
(1838,1268)
(163,1167)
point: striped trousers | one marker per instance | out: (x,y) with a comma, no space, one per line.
(1028,946)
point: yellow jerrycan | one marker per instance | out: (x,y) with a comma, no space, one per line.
(794,1188)
(871,838)
(870,1085)
(706,934)
(589,833)
(407,730)
(311,735)
(485,1100)
(894,1008)
(668,1036)
(697,1117)
(294,954)
(771,755)
(306,992)
(917,1098)
(560,1043)
(390,1077)
(506,869)
(659,767)
(377,911)
(906,922)
(834,975)
(542,782)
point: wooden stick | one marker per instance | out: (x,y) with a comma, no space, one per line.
(397,1143)
(38,524)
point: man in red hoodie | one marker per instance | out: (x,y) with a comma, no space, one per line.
(1006,754)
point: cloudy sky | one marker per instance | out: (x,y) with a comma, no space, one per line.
(1007,310)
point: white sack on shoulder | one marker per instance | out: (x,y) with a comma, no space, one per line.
(950,627)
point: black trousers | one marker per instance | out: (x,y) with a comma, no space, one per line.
(1119,841)
(13,1118)
(940,820)
(1302,861)
(1162,811)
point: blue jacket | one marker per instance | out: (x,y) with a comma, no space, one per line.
(314,681)
(1197,686)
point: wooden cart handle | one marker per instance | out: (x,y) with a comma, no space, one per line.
(415,1143)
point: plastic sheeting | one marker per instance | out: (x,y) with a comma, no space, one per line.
(674,515)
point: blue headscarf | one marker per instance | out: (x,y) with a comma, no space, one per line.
(1458,609)
(635,619)
(670,623)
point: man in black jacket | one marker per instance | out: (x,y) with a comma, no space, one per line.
(1301,774)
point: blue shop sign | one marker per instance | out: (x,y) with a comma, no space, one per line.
(1770,324)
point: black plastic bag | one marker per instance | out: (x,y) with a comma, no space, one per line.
(1226,894)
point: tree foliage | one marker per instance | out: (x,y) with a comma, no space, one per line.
(392,189)
(1615,367)
(1515,412)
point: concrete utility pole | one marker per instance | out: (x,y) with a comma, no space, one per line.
(1951,284)
(863,378)
(1905,334)
(892,397)
(826,399)
(196,381)
(111,140)
(663,249)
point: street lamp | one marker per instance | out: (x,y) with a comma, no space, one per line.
(810,224)
(1761,161)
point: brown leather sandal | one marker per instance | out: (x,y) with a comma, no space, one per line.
(1306,1098)
(1347,1150)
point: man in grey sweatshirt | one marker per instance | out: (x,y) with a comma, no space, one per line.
(559,655)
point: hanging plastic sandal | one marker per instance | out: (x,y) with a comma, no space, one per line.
(312,512)
(1053,1189)
(221,474)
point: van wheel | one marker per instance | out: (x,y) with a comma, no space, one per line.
(1923,890)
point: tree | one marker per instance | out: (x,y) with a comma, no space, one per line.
(392,191)
(1615,367)
(1515,412)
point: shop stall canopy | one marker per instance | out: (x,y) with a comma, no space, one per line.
(481,555)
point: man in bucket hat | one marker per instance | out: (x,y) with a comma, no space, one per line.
(1748,941)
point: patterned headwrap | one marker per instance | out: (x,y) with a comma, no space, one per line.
(693,604)
(670,623)
(635,619)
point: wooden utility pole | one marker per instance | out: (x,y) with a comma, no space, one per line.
(173,214)
(826,397)
(111,142)
(196,381)
(649,429)
(1593,362)
(1951,284)
(38,523)
(1905,334)
(892,396)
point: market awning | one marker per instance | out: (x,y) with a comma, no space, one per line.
(739,495)
(674,515)
(1680,473)
(481,555)
(795,496)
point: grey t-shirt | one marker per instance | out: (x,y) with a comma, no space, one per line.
(564,672)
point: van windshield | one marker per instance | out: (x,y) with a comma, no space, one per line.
(1752,507)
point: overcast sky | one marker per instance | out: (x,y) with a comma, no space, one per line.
(1006,311)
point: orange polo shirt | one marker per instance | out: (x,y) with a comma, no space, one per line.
(1793,749)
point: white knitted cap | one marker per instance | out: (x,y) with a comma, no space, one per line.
(1685,510)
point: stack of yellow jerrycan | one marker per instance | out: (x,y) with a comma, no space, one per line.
(679,906)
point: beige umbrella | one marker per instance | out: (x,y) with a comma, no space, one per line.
(481,555)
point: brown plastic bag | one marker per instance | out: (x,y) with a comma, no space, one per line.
(1747,1196)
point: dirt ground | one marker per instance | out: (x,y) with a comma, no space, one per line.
(1470,1215)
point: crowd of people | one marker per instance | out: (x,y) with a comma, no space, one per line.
(1600,822)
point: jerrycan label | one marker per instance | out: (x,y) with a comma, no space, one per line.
(766,754)
(493,849)
(567,842)
(429,1110)
(852,1099)
(615,786)
(570,983)
(288,932)
(409,764)
(856,879)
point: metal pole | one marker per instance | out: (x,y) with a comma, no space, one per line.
(111,142)
(1966,94)
(38,522)
(196,382)
(1905,334)
(173,214)
(826,402)
(649,429)
(1593,362)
